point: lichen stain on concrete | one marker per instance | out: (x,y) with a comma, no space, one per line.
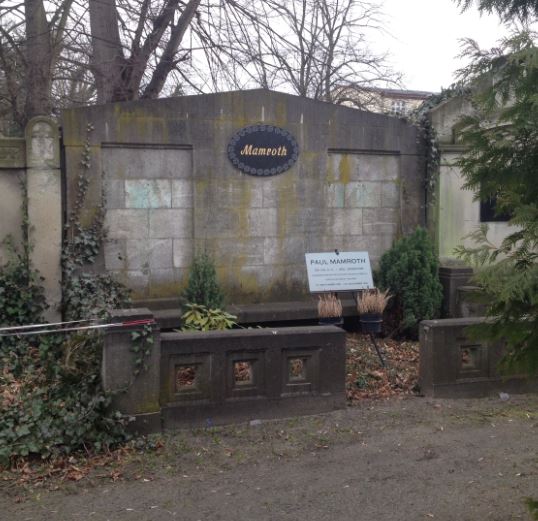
(167,289)
(344,169)
(237,281)
(141,124)
(287,203)
(244,206)
(331,177)
(248,282)
(281,114)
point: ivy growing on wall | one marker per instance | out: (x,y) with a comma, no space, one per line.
(51,396)
(428,136)
(22,297)
(86,293)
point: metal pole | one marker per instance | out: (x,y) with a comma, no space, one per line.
(377,350)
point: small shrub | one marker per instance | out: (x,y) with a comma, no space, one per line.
(203,287)
(409,270)
(200,318)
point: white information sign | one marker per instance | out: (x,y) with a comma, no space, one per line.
(342,271)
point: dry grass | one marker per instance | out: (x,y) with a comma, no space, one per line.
(373,301)
(329,305)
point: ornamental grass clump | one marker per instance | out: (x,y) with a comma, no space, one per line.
(373,302)
(329,306)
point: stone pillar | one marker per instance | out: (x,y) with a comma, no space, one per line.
(451,278)
(134,395)
(45,206)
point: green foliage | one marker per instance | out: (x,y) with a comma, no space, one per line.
(507,9)
(533,507)
(409,270)
(201,318)
(51,399)
(502,162)
(22,298)
(203,287)
(92,295)
(50,394)
(420,117)
(85,293)
(143,340)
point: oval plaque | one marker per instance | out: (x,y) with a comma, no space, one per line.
(263,150)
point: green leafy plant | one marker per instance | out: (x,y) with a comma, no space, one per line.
(143,341)
(533,507)
(203,287)
(86,293)
(22,298)
(200,318)
(409,270)
(427,137)
(52,401)
(51,397)
(501,162)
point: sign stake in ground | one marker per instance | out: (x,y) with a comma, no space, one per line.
(341,271)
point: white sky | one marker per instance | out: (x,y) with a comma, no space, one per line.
(423,41)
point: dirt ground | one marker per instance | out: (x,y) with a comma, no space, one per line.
(397,459)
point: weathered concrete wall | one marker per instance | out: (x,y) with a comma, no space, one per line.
(454,364)
(457,213)
(289,371)
(12,180)
(172,190)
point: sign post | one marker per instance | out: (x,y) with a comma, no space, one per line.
(336,272)
(339,271)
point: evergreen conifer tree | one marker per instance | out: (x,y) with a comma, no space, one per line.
(203,287)
(501,162)
(409,270)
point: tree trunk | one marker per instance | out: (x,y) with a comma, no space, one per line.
(38,60)
(167,61)
(107,59)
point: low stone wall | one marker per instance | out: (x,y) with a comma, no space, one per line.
(225,376)
(452,365)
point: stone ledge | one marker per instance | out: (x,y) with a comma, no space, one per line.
(267,312)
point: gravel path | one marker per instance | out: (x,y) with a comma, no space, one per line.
(401,459)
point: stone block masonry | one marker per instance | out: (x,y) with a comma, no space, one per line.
(225,376)
(172,191)
(455,365)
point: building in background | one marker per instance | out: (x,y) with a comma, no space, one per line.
(394,102)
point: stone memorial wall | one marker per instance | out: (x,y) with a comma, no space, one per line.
(172,189)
